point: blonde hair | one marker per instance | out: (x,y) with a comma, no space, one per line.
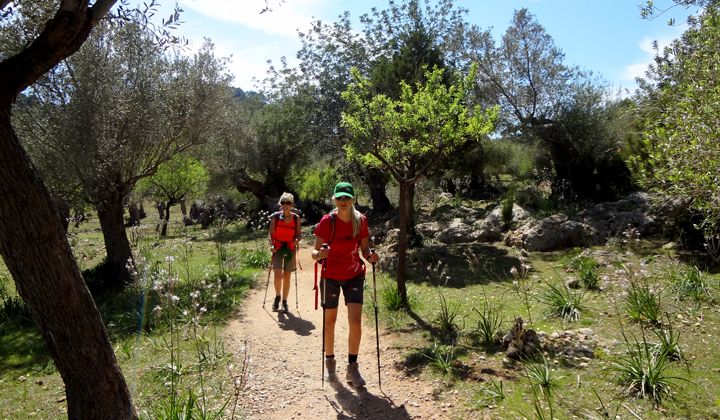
(354,218)
(286,196)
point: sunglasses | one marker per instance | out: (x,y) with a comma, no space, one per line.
(286,202)
(344,198)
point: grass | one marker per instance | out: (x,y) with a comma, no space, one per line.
(165,328)
(563,302)
(582,388)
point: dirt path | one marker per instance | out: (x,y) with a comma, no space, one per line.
(286,363)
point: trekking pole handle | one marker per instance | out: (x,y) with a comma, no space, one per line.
(324,246)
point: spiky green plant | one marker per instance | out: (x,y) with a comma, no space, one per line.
(643,303)
(563,302)
(488,325)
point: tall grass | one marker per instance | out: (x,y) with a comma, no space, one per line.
(563,302)
(488,325)
(688,282)
(645,371)
(643,303)
(447,319)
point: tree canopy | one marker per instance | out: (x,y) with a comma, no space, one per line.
(408,136)
(682,119)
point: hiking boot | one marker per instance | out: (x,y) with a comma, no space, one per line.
(276,304)
(330,363)
(353,375)
(284,309)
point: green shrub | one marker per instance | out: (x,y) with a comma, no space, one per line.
(563,302)
(441,358)
(447,319)
(586,268)
(689,282)
(391,299)
(316,183)
(488,325)
(642,303)
(507,207)
(256,258)
(645,372)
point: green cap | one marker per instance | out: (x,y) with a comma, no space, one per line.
(344,189)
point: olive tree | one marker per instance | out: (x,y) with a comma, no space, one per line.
(33,244)
(174,181)
(679,104)
(112,113)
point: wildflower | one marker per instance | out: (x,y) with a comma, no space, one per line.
(174,299)
(514,272)
(169,259)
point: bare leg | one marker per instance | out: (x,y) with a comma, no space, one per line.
(330,318)
(286,284)
(277,280)
(354,324)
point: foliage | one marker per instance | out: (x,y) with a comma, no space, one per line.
(12,308)
(391,299)
(564,109)
(256,258)
(688,282)
(409,135)
(316,182)
(490,394)
(508,202)
(646,372)
(643,303)
(488,325)
(447,320)
(586,269)
(678,105)
(177,179)
(563,302)
(259,143)
(669,342)
(427,121)
(441,358)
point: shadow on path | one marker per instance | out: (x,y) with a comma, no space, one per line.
(361,404)
(289,321)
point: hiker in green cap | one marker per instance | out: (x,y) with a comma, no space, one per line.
(340,239)
(284,237)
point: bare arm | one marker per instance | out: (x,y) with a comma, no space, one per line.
(271,229)
(298,231)
(371,257)
(319,252)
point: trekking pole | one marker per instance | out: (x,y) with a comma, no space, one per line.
(323,286)
(377,334)
(296,269)
(267,285)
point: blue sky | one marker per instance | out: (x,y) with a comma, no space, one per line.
(606,36)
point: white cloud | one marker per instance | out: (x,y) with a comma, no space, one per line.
(284,18)
(646,46)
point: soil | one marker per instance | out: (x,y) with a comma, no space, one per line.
(285,368)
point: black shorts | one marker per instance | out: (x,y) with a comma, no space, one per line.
(352,290)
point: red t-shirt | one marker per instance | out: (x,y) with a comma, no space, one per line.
(343,261)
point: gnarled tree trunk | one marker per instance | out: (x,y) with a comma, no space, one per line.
(36,251)
(33,243)
(111,215)
(376,180)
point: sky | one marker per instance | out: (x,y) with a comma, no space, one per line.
(607,37)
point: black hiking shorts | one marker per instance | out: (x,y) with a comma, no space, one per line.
(352,290)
